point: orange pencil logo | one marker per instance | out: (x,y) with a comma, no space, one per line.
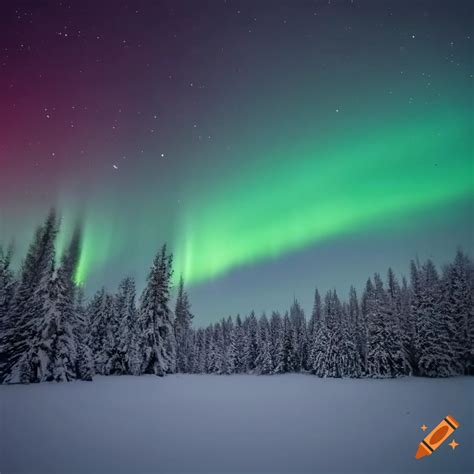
(437,437)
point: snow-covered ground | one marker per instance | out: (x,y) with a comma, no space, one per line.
(204,423)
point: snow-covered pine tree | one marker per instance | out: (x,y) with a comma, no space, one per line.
(230,349)
(394,326)
(96,314)
(315,315)
(436,355)
(415,305)
(358,325)
(130,329)
(182,327)
(26,361)
(122,344)
(193,354)
(319,349)
(14,338)
(285,355)
(407,326)
(351,362)
(264,363)
(298,325)
(335,345)
(276,328)
(240,363)
(469,367)
(208,348)
(7,291)
(199,360)
(216,351)
(458,311)
(385,356)
(109,354)
(84,360)
(376,356)
(57,342)
(156,321)
(251,343)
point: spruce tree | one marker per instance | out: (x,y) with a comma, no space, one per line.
(84,360)
(407,326)
(26,353)
(158,341)
(216,351)
(264,363)
(231,350)
(58,343)
(436,354)
(299,344)
(250,343)
(385,356)
(7,291)
(285,353)
(96,314)
(240,363)
(276,328)
(458,311)
(182,325)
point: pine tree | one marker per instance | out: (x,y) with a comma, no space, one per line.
(7,291)
(436,355)
(458,310)
(240,363)
(335,345)
(385,356)
(319,350)
(182,324)
(96,314)
(358,326)
(407,326)
(129,328)
(208,349)
(216,351)
(57,342)
(231,350)
(285,354)
(298,325)
(315,315)
(122,346)
(199,360)
(26,353)
(377,357)
(158,343)
(84,360)
(276,328)
(264,363)
(250,343)
(395,326)
(16,336)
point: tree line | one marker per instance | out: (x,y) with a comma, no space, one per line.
(49,332)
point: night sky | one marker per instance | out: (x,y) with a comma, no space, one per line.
(274,145)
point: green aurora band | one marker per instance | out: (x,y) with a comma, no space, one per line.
(292,196)
(316,191)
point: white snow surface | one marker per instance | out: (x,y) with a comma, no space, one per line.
(240,424)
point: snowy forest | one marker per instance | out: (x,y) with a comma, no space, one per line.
(50,332)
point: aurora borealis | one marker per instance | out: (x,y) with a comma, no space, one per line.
(272,145)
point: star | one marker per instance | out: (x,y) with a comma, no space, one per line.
(424,427)
(453,444)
